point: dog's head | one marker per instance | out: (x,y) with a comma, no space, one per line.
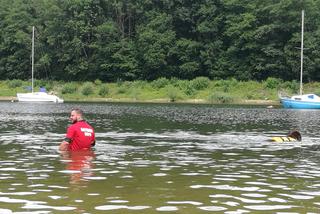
(295,134)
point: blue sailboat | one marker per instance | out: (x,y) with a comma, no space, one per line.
(301,101)
(305,101)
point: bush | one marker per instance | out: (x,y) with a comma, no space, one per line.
(226,84)
(119,82)
(97,82)
(122,90)
(135,94)
(249,96)
(174,80)
(69,88)
(39,82)
(103,90)
(14,83)
(200,83)
(189,89)
(293,86)
(272,83)
(48,85)
(87,89)
(127,84)
(124,87)
(220,98)
(139,84)
(160,83)
(173,93)
(181,84)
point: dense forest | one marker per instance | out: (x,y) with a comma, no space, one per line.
(115,40)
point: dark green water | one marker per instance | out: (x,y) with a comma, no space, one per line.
(159,159)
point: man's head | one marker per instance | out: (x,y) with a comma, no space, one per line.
(76,115)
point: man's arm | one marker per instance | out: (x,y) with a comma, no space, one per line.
(64,146)
(93,143)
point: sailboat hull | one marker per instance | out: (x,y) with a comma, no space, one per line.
(38,97)
(309,101)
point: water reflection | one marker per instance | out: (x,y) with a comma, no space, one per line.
(79,164)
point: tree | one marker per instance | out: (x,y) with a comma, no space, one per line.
(154,41)
(15,40)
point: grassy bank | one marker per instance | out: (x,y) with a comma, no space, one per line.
(199,90)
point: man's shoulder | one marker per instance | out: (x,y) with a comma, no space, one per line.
(84,124)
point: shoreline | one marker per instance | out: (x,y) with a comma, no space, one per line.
(8,98)
(160,101)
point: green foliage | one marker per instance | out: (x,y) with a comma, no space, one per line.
(119,82)
(174,81)
(220,98)
(173,93)
(145,40)
(48,85)
(87,89)
(134,94)
(292,86)
(160,83)
(122,90)
(187,52)
(14,83)
(226,84)
(200,83)
(189,89)
(97,82)
(127,85)
(238,91)
(273,83)
(103,90)
(155,41)
(139,84)
(69,88)
(181,84)
(39,83)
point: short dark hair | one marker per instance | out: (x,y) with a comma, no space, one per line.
(78,111)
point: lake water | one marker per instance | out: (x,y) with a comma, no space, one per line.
(159,159)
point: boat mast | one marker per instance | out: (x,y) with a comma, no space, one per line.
(32,59)
(301,58)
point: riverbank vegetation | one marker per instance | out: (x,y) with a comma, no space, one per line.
(209,51)
(147,40)
(198,90)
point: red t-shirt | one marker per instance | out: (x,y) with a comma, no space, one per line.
(81,135)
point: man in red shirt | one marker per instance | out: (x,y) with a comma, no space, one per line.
(80,135)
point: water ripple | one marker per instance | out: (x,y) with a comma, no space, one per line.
(159,158)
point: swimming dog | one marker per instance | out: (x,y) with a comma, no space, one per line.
(292,136)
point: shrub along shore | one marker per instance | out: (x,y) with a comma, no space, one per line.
(198,90)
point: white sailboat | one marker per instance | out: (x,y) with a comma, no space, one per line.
(301,101)
(36,96)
